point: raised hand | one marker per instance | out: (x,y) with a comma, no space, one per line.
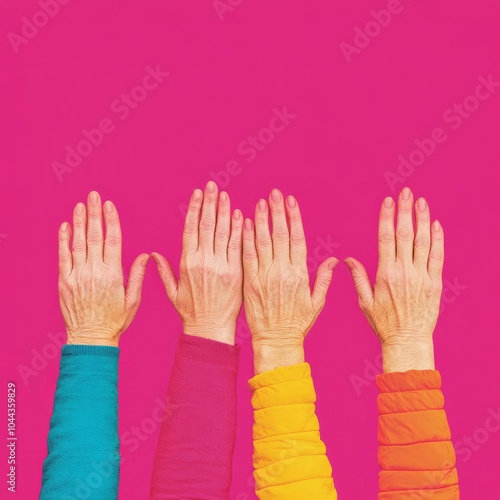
(403,306)
(208,293)
(96,306)
(279,305)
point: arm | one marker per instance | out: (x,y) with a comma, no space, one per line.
(194,454)
(415,452)
(289,459)
(83,447)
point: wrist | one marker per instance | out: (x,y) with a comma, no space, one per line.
(225,334)
(95,340)
(270,356)
(405,356)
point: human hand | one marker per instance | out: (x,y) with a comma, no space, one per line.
(403,307)
(279,305)
(208,294)
(96,306)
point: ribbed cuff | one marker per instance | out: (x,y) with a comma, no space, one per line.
(90,350)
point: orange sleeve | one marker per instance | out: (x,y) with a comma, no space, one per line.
(415,452)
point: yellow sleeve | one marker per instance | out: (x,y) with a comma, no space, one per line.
(289,457)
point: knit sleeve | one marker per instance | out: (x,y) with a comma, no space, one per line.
(83,458)
(415,452)
(289,458)
(194,454)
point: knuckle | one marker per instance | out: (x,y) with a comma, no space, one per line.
(207,224)
(249,256)
(422,242)
(264,242)
(234,244)
(386,237)
(297,239)
(404,234)
(280,236)
(437,256)
(222,234)
(94,238)
(113,240)
(79,247)
(190,228)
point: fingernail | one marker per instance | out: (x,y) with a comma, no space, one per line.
(406,193)
(108,207)
(262,205)
(64,227)
(197,193)
(291,202)
(436,226)
(248,224)
(155,258)
(421,204)
(145,261)
(276,195)
(237,214)
(80,207)
(211,187)
(332,264)
(388,202)
(223,197)
(349,264)
(94,198)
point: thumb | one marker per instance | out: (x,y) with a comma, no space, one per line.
(323,280)
(361,280)
(167,275)
(134,283)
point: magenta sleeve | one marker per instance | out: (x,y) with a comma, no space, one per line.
(194,454)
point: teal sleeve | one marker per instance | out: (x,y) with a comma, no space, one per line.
(83,458)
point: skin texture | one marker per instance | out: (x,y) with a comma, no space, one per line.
(403,306)
(208,293)
(96,306)
(279,305)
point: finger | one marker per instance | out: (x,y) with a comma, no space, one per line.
(422,243)
(263,241)
(404,228)
(361,280)
(223,226)
(95,240)
(322,281)
(386,233)
(79,235)
(207,222)
(235,241)
(134,284)
(436,255)
(65,258)
(298,247)
(191,224)
(113,241)
(250,258)
(167,276)
(280,236)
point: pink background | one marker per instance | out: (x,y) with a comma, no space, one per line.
(353,120)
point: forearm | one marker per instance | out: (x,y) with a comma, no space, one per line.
(415,453)
(195,448)
(268,357)
(83,438)
(289,457)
